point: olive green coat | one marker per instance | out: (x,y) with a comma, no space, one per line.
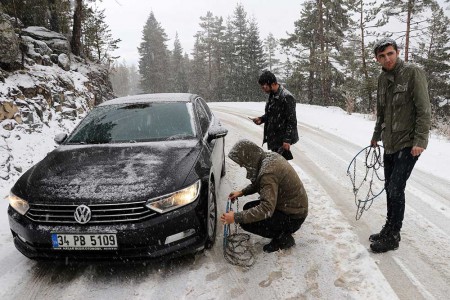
(403,108)
(275,180)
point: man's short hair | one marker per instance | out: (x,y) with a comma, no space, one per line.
(267,77)
(382,44)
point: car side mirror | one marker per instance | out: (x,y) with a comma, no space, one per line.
(216,132)
(60,137)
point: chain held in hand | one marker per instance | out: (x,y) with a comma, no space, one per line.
(236,246)
(368,165)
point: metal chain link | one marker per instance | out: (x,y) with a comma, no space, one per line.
(373,164)
(237,247)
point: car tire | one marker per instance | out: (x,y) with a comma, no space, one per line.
(223,172)
(211,217)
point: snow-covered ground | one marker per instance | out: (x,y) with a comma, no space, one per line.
(331,259)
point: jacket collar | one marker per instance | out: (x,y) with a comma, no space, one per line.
(276,94)
(392,73)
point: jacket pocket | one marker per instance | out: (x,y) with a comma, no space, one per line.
(402,110)
(400,95)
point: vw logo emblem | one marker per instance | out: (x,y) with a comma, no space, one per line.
(82,214)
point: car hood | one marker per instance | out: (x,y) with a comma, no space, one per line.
(109,173)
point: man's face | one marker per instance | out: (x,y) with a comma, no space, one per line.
(388,58)
(266,88)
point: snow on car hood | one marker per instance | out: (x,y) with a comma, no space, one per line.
(105,173)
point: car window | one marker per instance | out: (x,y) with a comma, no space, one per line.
(205,106)
(134,123)
(203,116)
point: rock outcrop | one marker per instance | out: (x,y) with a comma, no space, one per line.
(51,83)
(9,46)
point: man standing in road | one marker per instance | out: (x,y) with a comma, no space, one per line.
(403,124)
(283,204)
(280,120)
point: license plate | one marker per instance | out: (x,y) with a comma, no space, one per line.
(84,241)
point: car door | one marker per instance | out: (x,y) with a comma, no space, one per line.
(215,146)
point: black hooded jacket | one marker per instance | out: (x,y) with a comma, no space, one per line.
(280,120)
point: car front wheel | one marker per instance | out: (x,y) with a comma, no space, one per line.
(211,219)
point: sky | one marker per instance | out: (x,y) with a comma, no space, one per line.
(127,18)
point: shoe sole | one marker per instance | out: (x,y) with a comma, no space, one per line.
(375,240)
(375,251)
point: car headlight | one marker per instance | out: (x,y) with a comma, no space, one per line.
(20,205)
(175,200)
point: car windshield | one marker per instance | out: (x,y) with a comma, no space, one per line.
(137,122)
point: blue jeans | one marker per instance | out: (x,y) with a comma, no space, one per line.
(397,169)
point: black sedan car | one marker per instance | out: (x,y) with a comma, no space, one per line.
(136,178)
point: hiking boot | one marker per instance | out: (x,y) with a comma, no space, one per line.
(378,236)
(284,241)
(384,231)
(389,241)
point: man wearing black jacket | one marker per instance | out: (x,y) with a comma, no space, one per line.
(280,120)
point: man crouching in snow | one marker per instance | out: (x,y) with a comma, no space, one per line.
(283,204)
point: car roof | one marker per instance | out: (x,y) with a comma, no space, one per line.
(149,98)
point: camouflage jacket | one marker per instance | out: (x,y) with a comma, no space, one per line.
(403,108)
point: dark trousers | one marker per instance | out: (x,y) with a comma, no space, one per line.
(274,226)
(397,169)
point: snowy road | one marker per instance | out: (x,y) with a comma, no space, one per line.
(420,268)
(330,261)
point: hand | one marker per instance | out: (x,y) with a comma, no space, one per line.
(234,195)
(374,143)
(286,146)
(227,218)
(416,150)
(257,120)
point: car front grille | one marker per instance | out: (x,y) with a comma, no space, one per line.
(100,213)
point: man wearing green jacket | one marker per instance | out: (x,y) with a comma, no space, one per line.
(283,204)
(403,124)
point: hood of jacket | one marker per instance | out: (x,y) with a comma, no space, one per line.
(248,155)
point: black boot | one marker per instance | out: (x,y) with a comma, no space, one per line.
(389,241)
(377,236)
(284,241)
(384,231)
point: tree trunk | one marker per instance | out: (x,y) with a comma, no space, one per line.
(54,16)
(408,28)
(321,59)
(76,32)
(364,64)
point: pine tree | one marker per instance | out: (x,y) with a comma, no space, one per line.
(52,14)
(410,13)
(271,47)
(318,36)
(434,55)
(75,43)
(210,42)
(198,70)
(255,62)
(179,74)
(120,79)
(302,46)
(135,79)
(240,32)
(98,43)
(230,65)
(153,61)
(360,70)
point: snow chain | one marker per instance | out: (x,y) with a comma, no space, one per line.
(236,246)
(373,164)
